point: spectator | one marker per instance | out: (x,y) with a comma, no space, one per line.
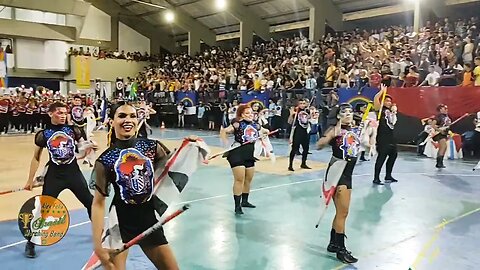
(467,75)
(432,79)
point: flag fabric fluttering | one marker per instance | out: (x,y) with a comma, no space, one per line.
(170,180)
(133,91)
(330,182)
(477,167)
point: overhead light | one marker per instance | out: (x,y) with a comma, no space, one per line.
(149,4)
(221,4)
(169,16)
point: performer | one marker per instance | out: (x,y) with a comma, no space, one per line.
(143,114)
(299,119)
(241,159)
(63,171)
(5,102)
(441,127)
(126,161)
(76,116)
(368,137)
(344,140)
(386,142)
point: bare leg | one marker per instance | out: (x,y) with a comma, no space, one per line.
(249,173)
(162,257)
(442,148)
(239,180)
(120,261)
(342,205)
(341,200)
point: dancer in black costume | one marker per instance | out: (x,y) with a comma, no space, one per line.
(386,141)
(241,159)
(128,162)
(345,142)
(63,171)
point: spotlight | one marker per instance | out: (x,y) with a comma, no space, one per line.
(169,16)
(221,4)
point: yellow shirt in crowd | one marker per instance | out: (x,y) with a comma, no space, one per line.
(476,73)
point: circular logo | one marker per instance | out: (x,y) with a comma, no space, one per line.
(44,220)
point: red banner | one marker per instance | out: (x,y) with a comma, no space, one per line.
(422,102)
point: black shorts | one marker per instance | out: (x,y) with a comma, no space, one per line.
(135,219)
(242,156)
(246,163)
(438,137)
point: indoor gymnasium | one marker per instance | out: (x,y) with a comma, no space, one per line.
(240,134)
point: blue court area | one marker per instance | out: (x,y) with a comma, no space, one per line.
(388,226)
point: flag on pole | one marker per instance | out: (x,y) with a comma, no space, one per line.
(133,91)
(169,183)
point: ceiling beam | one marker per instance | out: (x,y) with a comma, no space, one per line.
(329,11)
(245,15)
(129,4)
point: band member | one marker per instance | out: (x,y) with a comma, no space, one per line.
(442,127)
(299,119)
(241,159)
(76,116)
(63,171)
(5,103)
(386,141)
(344,140)
(134,205)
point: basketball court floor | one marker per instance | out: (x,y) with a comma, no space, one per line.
(389,227)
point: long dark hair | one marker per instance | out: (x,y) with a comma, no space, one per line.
(111,137)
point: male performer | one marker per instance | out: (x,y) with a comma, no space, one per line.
(76,116)
(386,142)
(299,119)
(63,171)
(442,127)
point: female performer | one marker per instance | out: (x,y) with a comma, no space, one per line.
(442,127)
(345,141)
(126,163)
(241,159)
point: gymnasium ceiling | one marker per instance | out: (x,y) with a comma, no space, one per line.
(274,12)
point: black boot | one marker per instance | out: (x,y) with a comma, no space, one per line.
(343,254)
(377,182)
(362,156)
(332,246)
(238,207)
(440,162)
(304,166)
(290,167)
(245,202)
(390,179)
(30,250)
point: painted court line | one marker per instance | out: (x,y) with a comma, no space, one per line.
(185,202)
(24,241)
(283,185)
(413,236)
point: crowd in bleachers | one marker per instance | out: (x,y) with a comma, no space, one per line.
(442,53)
(395,56)
(104,54)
